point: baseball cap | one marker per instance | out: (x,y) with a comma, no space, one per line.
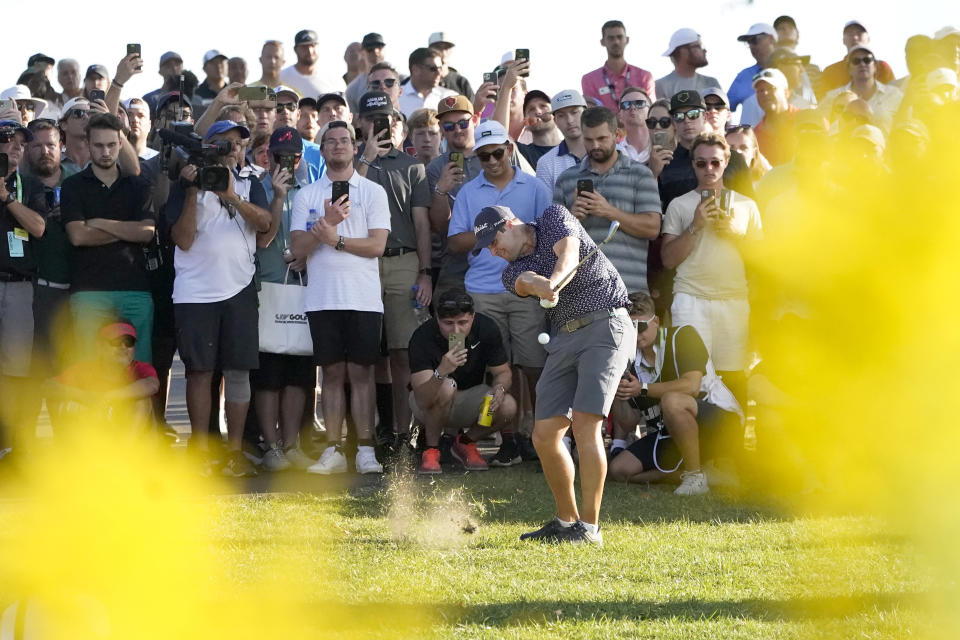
(942,76)
(488,223)
(286,139)
(282,88)
(680,38)
(773,77)
(718,92)
(489,132)
(683,99)
(758,29)
(306,36)
(118,330)
(136,104)
(374,102)
(851,23)
(372,40)
(440,37)
(567,98)
(170,96)
(75,103)
(330,96)
(531,95)
(213,54)
(871,133)
(222,126)
(16,126)
(168,56)
(336,124)
(454,103)
(21,92)
(308,102)
(39,57)
(860,47)
(98,69)
(782,55)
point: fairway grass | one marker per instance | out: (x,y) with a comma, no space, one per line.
(390,558)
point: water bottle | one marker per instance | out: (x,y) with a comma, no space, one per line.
(312,218)
(422,313)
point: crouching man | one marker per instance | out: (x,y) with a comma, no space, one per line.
(449,357)
(673,387)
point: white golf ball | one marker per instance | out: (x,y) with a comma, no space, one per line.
(543,338)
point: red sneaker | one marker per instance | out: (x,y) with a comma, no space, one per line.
(430,461)
(468,455)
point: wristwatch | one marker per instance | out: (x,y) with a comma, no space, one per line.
(436,374)
(339,245)
(644,390)
(10,198)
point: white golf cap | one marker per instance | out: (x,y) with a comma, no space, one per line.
(136,104)
(507,57)
(680,38)
(758,29)
(567,98)
(941,76)
(212,55)
(281,89)
(773,77)
(440,37)
(21,92)
(850,23)
(490,132)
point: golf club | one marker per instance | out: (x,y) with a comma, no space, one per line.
(565,280)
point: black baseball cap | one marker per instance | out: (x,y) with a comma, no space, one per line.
(372,40)
(39,57)
(306,36)
(683,99)
(487,225)
(331,96)
(536,93)
(374,102)
(286,140)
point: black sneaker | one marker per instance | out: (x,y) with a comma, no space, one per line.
(546,533)
(238,466)
(527,452)
(446,445)
(578,534)
(507,455)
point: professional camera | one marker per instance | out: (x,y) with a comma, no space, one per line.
(183,146)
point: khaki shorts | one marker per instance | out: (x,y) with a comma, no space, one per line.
(398,274)
(723,325)
(520,321)
(465,410)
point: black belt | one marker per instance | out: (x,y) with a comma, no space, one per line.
(393,253)
(6,276)
(579,323)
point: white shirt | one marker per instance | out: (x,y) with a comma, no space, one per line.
(311,86)
(410,100)
(640,156)
(220,262)
(338,280)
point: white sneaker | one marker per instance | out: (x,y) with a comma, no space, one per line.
(367,461)
(692,483)
(274,460)
(332,461)
(298,459)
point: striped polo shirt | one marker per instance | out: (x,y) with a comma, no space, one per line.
(628,186)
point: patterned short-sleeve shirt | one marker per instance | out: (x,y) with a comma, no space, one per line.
(597,284)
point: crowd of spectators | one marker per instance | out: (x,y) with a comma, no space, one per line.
(136,228)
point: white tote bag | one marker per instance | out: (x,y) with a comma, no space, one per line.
(283,322)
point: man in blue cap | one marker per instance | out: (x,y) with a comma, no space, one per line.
(214,296)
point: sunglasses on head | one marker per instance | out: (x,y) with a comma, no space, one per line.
(702,164)
(289,106)
(386,82)
(450,126)
(864,60)
(627,105)
(692,114)
(449,308)
(486,155)
(653,123)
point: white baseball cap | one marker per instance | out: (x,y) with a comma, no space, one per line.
(773,77)
(490,132)
(758,29)
(440,37)
(680,38)
(211,55)
(567,98)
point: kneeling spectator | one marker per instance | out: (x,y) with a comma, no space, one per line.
(447,376)
(113,387)
(672,384)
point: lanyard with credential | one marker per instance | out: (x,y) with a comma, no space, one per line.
(611,86)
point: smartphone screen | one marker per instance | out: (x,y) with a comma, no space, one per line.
(584,185)
(522,54)
(340,188)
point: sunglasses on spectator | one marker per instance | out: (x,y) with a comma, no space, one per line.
(450,126)
(653,123)
(449,308)
(627,105)
(25,105)
(79,114)
(432,68)
(715,106)
(702,164)
(642,325)
(289,106)
(864,60)
(387,82)
(692,114)
(496,155)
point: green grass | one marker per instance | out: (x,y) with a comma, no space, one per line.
(670,568)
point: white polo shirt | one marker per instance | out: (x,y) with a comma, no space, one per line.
(410,100)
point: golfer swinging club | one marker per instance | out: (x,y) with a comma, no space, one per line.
(585,359)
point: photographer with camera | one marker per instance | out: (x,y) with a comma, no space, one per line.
(214,295)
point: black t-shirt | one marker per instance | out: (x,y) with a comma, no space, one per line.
(691,356)
(117,266)
(533,152)
(16,246)
(53,251)
(484,344)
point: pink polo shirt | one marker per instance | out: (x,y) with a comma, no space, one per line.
(596,85)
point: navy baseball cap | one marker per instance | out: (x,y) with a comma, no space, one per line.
(306,36)
(335,95)
(97,69)
(13,126)
(286,140)
(373,102)
(487,225)
(222,126)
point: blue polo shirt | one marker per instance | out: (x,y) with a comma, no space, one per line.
(526,196)
(742,87)
(313,159)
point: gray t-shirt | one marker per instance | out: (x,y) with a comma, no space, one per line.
(673,83)
(405,181)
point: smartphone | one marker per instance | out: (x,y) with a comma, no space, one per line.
(4,165)
(248,94)
(457,157)
(133,48)
(724,200)
(289,163)
(584,185)
(97,94)
(500,73)
(490,77)
(340,188)
(706,194)
(381,121)
(522,54)
(457,340)
(661,139)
